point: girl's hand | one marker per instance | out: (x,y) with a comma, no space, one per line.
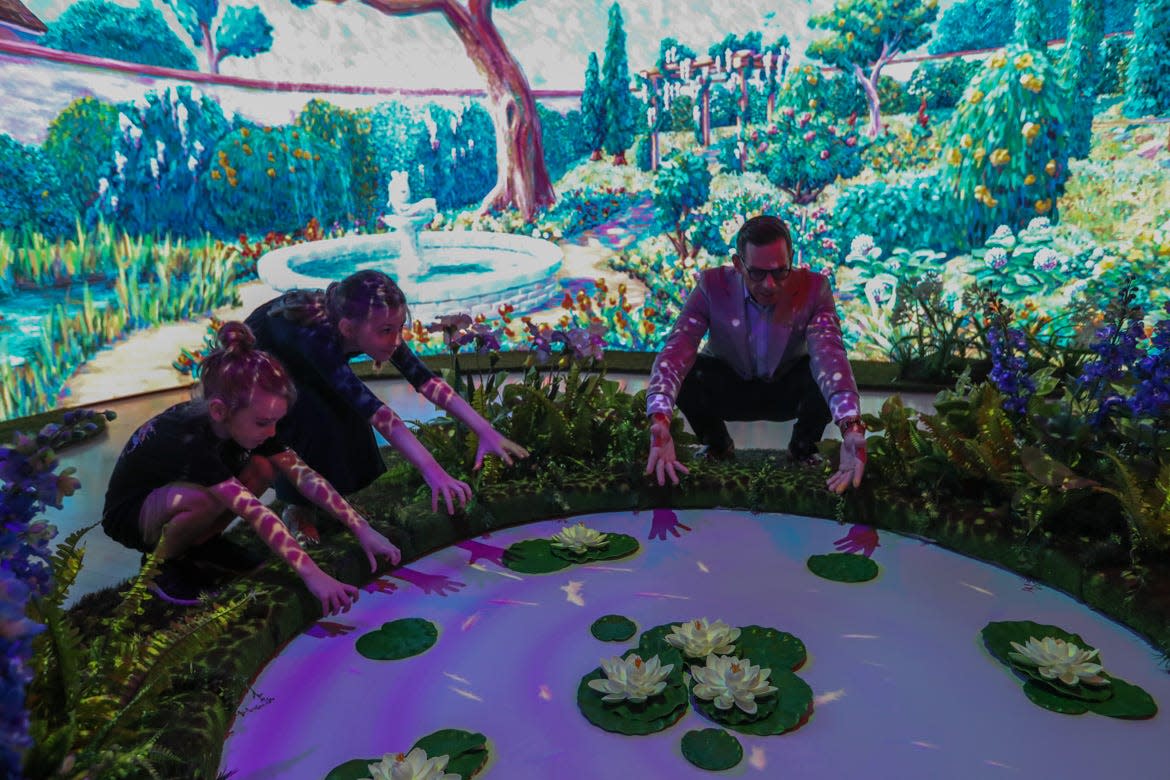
(375,545)
(445,485)
(334,596)
(494,443)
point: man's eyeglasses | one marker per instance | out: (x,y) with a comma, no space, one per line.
(759,274)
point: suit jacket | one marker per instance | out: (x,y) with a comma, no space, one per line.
(804,322)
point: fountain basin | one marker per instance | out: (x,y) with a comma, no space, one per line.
(466,271)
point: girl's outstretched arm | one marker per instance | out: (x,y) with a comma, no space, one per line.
(491,441)
(334,596)
(317,489)
(442,484)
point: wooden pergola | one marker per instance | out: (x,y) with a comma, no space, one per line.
(710,69)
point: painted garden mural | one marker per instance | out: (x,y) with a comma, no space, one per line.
(984,183)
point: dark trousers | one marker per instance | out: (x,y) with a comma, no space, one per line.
(713,393)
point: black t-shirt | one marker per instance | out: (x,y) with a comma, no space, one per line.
(312,353)
(177,445)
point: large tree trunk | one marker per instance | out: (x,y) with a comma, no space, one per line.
(870,84)
(209,47)
(521,176)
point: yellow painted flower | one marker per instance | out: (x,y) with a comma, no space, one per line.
(1000,157)
(1032,83)
(840,22)
(271,173)
(1031,130)
(975,96)
(812,79)
(998,61)
(1050,168)
(1030,179)
(966,141)
(875,30)
(1164,249)
(981,192)
(954,156)
(979,154)
(1023,61)
(849,37)
(1042,206)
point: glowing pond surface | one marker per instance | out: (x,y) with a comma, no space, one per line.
(903,685)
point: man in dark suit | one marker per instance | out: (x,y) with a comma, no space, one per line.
(774,352)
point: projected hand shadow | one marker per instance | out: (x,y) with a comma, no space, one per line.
(431,584)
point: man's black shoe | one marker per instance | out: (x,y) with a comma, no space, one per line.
(223,553)
(182,582)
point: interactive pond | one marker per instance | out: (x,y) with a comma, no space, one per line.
(673,644)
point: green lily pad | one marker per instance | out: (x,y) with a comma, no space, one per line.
(711,749)
(1120,699)
(653,640)
(998,637)
(616,546)
(466,749)
(843,567)
(1049,700)
(655,714)
(613,628)
(769,648)
(354,769)
(1085,692)
(793,704)
(1129,701)
(533,556)
(398,639)
(467,752)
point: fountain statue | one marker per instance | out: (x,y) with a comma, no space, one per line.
(407,219)
(441,271)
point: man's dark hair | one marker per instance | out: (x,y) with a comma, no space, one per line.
(762,230)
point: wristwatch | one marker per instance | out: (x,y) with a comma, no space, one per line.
(851,424)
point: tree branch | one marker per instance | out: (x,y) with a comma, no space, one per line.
(415,7)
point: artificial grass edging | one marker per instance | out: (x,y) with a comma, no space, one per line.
(210,699)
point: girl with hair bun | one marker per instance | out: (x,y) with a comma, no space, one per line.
(315,334)
(187,473)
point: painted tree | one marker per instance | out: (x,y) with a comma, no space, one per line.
(1030,28)
(102,29)
(864,35)
(593,108)
(620,117)
(240,32)
(521,172)
(1147,78)
(1081,66)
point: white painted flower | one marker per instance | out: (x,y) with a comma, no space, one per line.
(1002,232)
(123,122)
(1057,659)
(1047,260)
(412,766)
(699,639)
(120,161)
(1039,223)
(996,258)
(192,163)
(578,538)
(861,244)
(153,168)
(731,682)
(160,151)
(103,185)
(631,678)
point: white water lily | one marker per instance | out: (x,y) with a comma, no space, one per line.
(1057,659)
(631,678)
(412,766)
(699,639)
(730,682)
(577,538)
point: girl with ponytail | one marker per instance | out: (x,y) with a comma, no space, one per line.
(315,334)
(188,472)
